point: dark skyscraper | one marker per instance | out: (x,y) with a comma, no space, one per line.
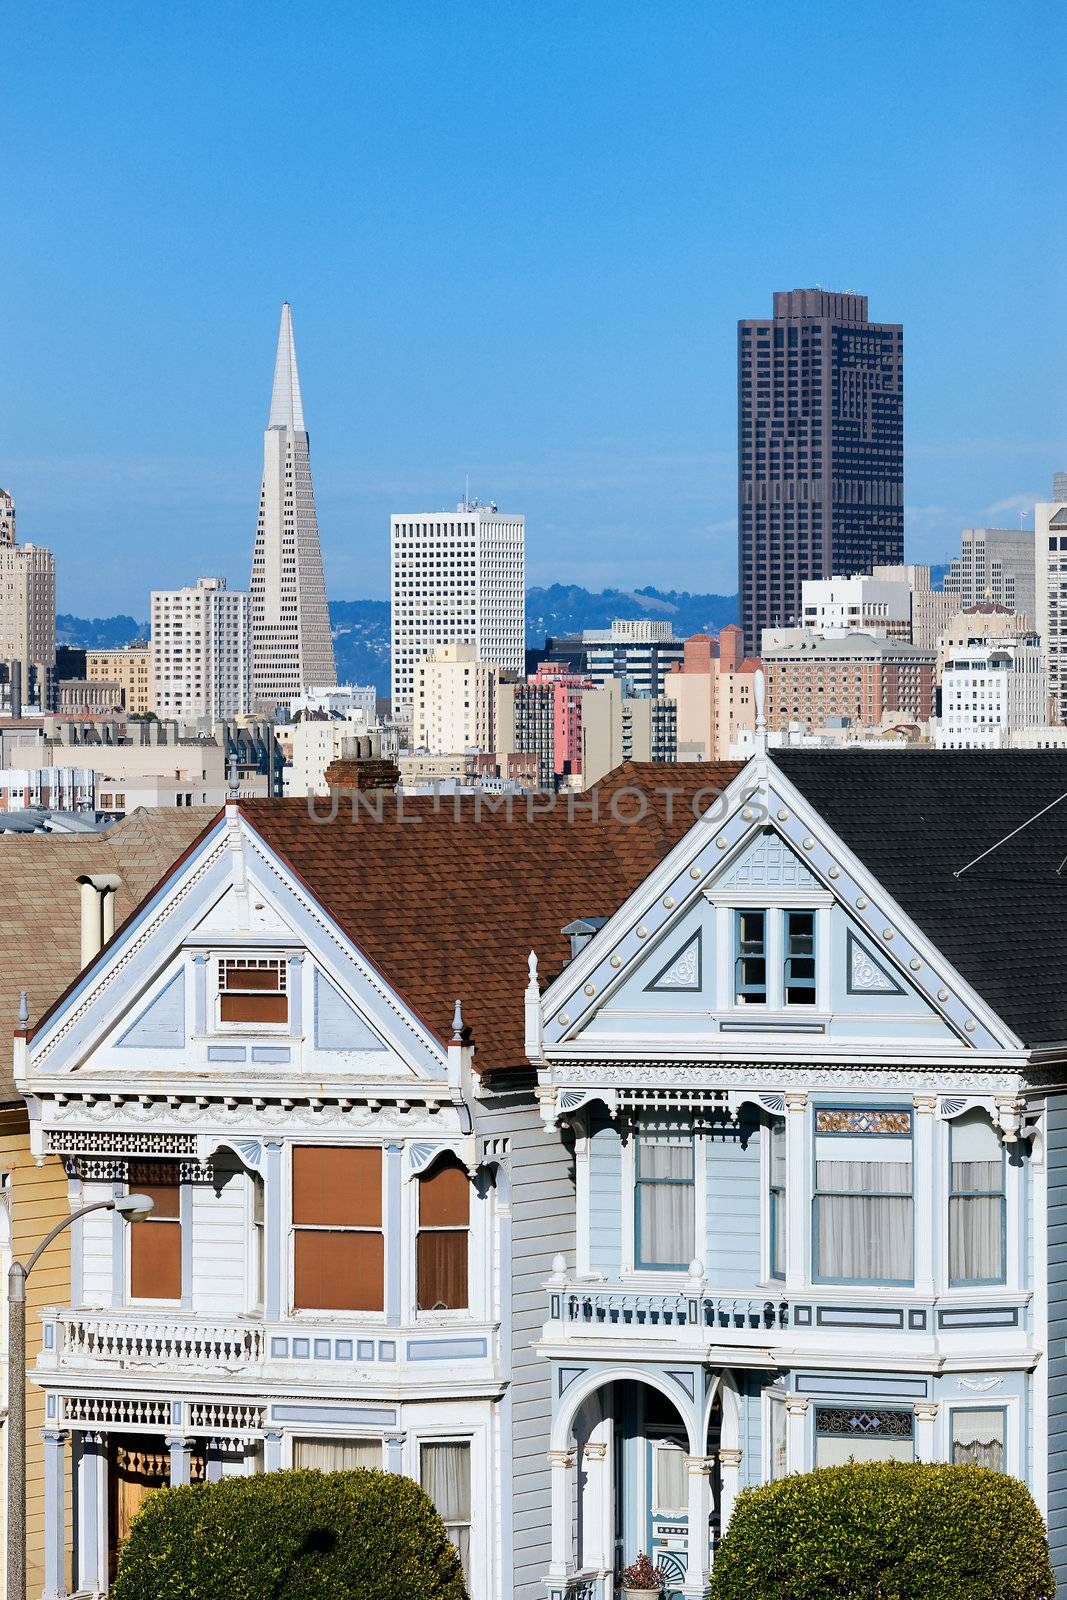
(820,450)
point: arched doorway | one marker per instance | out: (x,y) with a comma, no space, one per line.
(636,1469)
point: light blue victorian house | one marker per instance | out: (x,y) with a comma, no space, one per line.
(804,1069)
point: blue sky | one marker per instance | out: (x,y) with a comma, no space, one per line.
(517,239)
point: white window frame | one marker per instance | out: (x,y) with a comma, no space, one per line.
(306,1313)
(726,903)
(475,1311)
(277,1029)
(659,1276)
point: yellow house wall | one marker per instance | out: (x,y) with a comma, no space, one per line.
(38,1202)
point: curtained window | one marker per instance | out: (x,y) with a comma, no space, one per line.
(862,1435)
(665,1197)
(446,1477)
(444,1222)
(978,1437)
(156,1243)
(259,1252)
(863,1196)
(337,1455)
(799,975)
(976,1201)
(776,1136)
(778,1439)
(252,991)
(670,1487)
(750,963)
(338,1245)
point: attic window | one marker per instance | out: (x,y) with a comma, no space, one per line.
(252,990)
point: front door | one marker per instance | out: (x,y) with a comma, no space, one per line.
(138,1464)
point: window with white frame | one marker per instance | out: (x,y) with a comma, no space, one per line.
(670,1486)
(257,1218)
(798,977)
(978,1436)
(863,1211)
(664,1196)
(445,1474)
(862,1433)
(253,991)
(778,1440)
(976,1206)
(776,1195)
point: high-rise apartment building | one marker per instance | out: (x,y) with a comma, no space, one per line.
(131,668)
(991,691)
(1050,559)
(201,648)
(27,610)
(820,450)
(292,647)
(852,677)
(458,577)
(641,649)
(453,707)
(994,564)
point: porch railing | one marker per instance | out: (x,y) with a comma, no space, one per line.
(153,1341)
(731,1317)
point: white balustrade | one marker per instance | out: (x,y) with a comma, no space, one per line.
(155,1341)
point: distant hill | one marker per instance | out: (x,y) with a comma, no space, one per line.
(99,633)
(361,627)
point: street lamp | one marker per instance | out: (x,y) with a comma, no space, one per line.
(134,1207)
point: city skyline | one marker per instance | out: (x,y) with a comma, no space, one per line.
(574,374)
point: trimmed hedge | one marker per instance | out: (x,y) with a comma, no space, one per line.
(886,1530)
(290,1536)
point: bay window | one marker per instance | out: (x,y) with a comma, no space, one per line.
(441,1250)
(338,1244)
(976,1201)
(776,1160)
(156,1243)
(664,1196)
(799,975)
(863,1196)
(337,1455)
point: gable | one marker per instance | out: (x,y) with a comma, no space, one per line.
(763,926)
(233,968)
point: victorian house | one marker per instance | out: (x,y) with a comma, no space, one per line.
(740,1153)
(805,1069)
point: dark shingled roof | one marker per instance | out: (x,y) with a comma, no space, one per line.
(915,817)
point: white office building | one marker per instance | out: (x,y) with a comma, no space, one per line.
(458,577)
(989,692)
(861,604)
(1050,567)
(201,648)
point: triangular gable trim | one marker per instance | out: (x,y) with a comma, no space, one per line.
(682,972)
(161,1025)
(866,974)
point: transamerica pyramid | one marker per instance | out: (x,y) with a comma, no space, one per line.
(291,645)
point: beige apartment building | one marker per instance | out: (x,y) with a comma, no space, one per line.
(131,668)
(977,626)
(855,677)
(713,689)
(27,605)
(453,700)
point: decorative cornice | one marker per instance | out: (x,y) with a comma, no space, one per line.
(698,1079)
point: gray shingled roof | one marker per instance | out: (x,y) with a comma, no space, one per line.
(917,816)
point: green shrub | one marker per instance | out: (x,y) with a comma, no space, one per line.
(290,1536)
(886,1530)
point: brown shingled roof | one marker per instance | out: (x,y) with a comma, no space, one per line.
(448,904)
(40,909)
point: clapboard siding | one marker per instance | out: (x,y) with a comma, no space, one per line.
(97,1233)
(543,1223)
(733,1207)
(605,1195)
(220,1241)
(1057,1335)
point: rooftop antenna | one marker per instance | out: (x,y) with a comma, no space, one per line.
(1011,835)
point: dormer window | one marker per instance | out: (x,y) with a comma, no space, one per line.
(252,991)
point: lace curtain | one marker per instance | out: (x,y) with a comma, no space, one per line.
(978,1439)
(976,1206)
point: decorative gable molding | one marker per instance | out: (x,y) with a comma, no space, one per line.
(682,972)
(866,974)
(338,1025)
(767,863)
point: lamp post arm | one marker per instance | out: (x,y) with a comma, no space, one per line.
(82,1211)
